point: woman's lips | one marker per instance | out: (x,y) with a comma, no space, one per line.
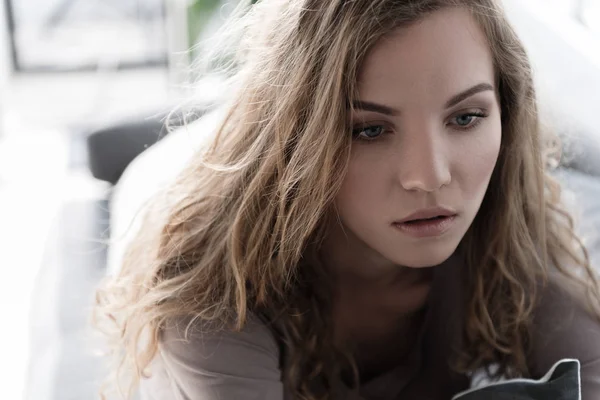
(427,227)
(428,213)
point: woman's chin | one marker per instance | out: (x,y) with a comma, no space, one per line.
(424,260)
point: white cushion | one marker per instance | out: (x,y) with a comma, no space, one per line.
(151,172)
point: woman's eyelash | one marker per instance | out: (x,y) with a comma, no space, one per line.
(478,115)
(379,130)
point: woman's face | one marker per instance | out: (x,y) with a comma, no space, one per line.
(427,134)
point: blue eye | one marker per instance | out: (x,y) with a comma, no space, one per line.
(368,132)
(469,120)
(464,120)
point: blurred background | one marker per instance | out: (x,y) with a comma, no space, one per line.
(84,89)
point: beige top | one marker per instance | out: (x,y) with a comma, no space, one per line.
(246,365)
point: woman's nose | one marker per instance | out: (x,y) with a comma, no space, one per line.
(424,164)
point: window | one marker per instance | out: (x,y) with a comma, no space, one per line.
(86,34)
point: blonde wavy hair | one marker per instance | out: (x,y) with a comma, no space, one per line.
(242,230)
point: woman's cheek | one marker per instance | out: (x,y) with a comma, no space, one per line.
(483,157)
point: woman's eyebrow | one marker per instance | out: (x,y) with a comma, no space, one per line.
(382,109)
(375,107)
(481,87)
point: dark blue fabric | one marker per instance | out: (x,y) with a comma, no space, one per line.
(563,383)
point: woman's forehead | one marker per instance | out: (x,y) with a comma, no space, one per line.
(442,54)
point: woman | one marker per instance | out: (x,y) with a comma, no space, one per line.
(373,220)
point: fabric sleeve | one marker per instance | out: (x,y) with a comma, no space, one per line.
(563,328)
(208,365)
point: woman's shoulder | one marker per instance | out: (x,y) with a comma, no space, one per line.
(561,305)
(198,360)
(205,338)
(563,327)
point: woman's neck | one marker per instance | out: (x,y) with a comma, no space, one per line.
(370,308)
